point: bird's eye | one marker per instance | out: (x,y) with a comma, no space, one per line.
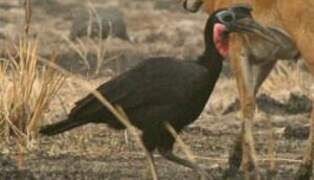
(226,16)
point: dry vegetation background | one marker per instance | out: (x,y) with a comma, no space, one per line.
(32,94)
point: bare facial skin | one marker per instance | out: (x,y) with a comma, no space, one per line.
(221,43)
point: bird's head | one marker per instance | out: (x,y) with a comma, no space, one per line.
(222,22)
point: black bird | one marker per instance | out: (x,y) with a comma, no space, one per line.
(156,91)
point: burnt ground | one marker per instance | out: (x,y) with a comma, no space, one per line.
(155,28)
(96,152)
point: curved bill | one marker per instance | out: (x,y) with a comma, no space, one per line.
(250,25)
(192,5)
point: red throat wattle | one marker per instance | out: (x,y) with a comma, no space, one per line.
(222,44)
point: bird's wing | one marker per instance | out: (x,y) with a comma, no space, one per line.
(133,89)
(113,91)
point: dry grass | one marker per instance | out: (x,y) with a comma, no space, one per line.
(26,92)
(25,95)
(97,45)
(287,78)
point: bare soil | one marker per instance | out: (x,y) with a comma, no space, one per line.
(156,28)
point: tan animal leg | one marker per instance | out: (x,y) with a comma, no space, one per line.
(261,72)
(242,70)
(301,30)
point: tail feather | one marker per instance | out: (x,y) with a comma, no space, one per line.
(60,127)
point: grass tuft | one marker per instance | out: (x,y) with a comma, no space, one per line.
(25,93)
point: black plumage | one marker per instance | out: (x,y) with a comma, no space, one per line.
(158,90)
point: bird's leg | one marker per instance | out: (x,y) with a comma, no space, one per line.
(306,168)
(148,150)
(168,154)
(261,72)
(152,166)
(235,157)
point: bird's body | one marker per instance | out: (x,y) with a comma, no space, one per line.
(156,91)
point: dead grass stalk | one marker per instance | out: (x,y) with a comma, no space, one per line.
(26,92)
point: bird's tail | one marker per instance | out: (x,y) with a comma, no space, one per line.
(60,127)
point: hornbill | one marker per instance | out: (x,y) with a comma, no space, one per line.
(159,91)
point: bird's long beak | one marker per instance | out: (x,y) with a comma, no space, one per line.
(248,24)
(192,5)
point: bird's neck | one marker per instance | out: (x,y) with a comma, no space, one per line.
(211,60)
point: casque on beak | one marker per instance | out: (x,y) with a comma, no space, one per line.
(193,6)
(238,18)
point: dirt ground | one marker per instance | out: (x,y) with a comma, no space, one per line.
(156,28)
